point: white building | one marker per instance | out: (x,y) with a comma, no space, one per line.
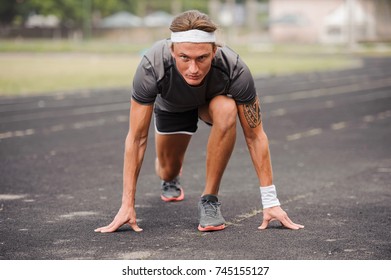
(328,21)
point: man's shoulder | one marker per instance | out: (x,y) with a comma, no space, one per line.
(228,53)
(228,61)
(159,50)
(158,57)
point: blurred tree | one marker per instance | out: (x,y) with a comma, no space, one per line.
(108,7)
(8,10)
(72,13)
(201,5)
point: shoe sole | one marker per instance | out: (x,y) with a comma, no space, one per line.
(211,228)
(172,199)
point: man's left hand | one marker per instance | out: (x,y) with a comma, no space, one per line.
(276,213)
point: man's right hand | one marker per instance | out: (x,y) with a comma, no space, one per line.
(125,215)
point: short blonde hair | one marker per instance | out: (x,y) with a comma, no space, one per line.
(192,19)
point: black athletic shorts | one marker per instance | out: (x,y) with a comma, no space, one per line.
(176,122)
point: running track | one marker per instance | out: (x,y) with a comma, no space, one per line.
(61,174)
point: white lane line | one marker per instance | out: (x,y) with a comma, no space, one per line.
(294,137)
(78,214)
(74,112)
(242,217)
(329,104)
(384,170)
(369,118)
(124,118)
(62,127)
(384,115)
(5,135)
(12,196)
(308,133)
(380,116)
(17,133)
(81,125)
(56,128)
(312,132)
(338,126)
(278,113)
(248,215)
(299,95)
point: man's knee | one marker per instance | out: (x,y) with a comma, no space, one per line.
(223,111)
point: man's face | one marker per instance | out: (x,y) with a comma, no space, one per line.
(193,60)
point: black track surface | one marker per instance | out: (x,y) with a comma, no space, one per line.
(61,176)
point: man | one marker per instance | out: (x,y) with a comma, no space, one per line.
(183,79)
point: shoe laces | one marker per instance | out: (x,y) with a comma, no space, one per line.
(171,185)
(211,207)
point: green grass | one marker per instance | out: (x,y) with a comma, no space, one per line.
(59,46)
(44,66)
(22,74)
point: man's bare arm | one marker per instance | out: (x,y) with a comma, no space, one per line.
(135,146)
(258,145)
(252,113)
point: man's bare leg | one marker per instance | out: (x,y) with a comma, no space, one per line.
(170,151)
(222,113)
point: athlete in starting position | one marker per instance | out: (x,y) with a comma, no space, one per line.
(180,80)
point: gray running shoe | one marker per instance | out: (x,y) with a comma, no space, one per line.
(172,191)
(209,214)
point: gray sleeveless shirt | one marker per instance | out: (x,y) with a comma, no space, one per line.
(157,81)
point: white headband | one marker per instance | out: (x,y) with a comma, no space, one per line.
(193,36)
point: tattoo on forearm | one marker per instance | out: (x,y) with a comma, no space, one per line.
(252,113)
